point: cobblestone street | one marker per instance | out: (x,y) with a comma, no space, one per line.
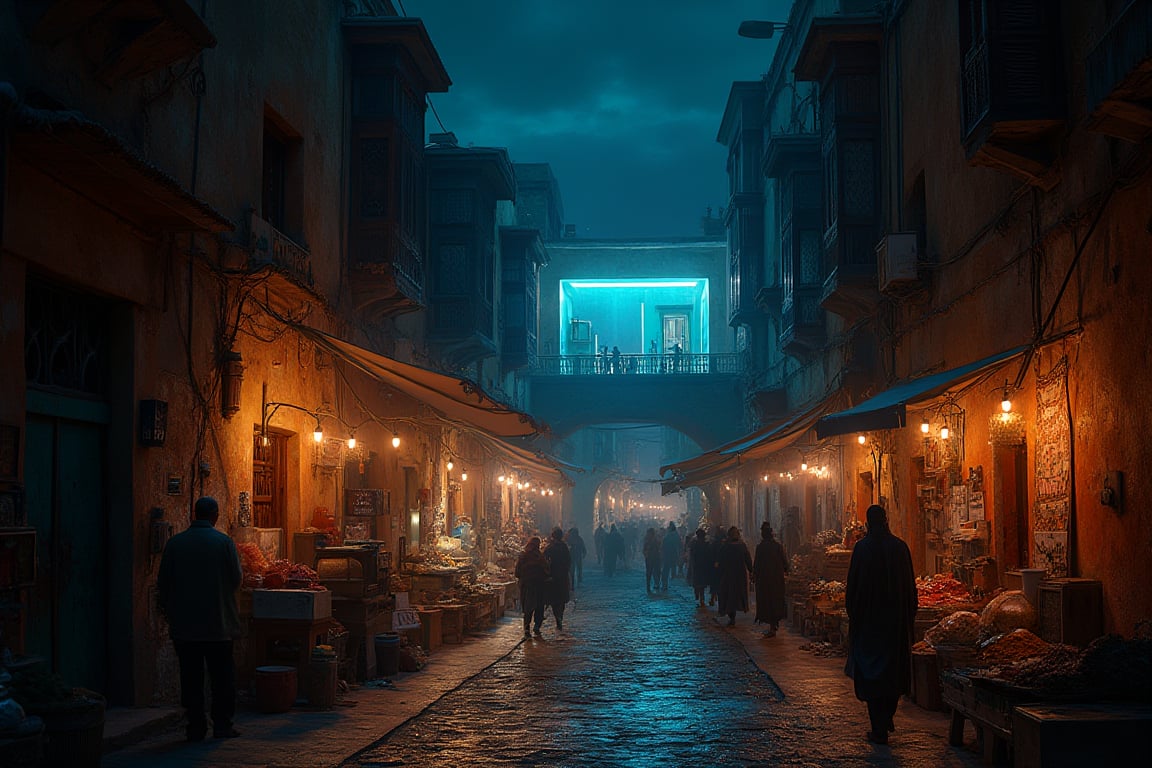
(640,680)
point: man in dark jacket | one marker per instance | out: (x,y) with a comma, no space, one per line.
(560,565)
(199,575)
(881,602)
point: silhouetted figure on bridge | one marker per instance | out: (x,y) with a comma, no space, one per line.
(677,358)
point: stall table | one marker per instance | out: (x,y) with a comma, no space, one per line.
(1073,735)
(286,641)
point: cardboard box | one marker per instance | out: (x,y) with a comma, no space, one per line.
(296,604)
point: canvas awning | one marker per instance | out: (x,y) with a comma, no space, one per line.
(887,410)
(758,445)
(521,458)
(86,157)
(456,399)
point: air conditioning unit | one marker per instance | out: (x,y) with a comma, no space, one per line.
(896,257)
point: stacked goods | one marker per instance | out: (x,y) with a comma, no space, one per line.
(253,563)
(429,560)
(827,538)
(259,571)
(1109,668)
(1017,645)
(1006,612)
(938,590)
(285,574)
(827,590)
(959,628)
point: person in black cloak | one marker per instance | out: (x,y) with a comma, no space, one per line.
(881,602)
(768,571)
(532,570)
(558,587)
(734,563)
(701,565)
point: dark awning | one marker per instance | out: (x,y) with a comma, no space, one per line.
(456,399)
(887,410)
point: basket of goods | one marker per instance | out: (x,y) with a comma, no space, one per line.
(954,639)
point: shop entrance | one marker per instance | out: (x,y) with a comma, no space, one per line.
(64,474)
(1010,509)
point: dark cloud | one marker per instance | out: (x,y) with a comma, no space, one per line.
(622,97)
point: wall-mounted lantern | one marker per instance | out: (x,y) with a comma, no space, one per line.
(231,376)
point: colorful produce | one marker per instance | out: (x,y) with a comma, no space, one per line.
(941,589)
(285,574)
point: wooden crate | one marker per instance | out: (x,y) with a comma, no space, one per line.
(1073,735)
(1071,611)
(926,681)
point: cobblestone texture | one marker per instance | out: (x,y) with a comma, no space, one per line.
(639,680)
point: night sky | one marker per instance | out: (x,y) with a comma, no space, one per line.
(622,97)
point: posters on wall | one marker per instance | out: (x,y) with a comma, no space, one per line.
(1051,515)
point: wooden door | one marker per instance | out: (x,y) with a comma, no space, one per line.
(64,473)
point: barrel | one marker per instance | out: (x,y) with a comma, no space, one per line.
(387,654)
(275,688)
(321,687)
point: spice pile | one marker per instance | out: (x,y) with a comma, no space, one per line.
(1017,645)
(830,590)
(941,589)
(1109,667)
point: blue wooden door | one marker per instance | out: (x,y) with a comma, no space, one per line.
(64,473)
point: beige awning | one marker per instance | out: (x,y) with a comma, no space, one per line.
(456,399)
(760,444)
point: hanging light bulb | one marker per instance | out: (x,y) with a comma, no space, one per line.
(944,433)
(318,433)
(351,442)
(395,440)
(803,466)
(925,427)
(463,474)
(499,479)
(450,465)
(1006,404)
(861,439)
(551,492)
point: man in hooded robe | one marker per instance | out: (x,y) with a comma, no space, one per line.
(881,602)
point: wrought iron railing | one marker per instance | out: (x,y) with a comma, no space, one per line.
(625,365)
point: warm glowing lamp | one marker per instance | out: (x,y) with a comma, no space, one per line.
(861,439)
(463,474)
(1006,404)
(450,465)
(351,442)
(925,427)
(804,466)
(499,479)
(395,440)
(944,433)
(318,433)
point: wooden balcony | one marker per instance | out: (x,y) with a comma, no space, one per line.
(1119,76)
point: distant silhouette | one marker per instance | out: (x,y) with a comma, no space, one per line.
(651,560)
(669,555)
(613,550)
(579,549)
(677,358)
(614,365)
(700,564)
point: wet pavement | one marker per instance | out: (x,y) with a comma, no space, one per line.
(636,680)
(641,679)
